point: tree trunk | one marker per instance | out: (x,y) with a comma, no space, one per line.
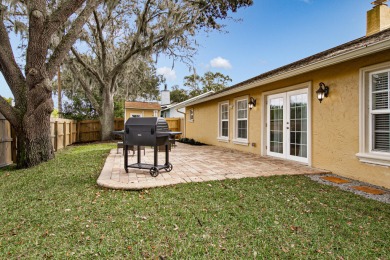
(107,115)
(32,89)
(34,138)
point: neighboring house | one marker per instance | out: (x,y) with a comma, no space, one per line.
(348,133)
(170,111)
(142,109)
(178,110)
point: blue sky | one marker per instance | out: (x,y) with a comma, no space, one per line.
(271,34)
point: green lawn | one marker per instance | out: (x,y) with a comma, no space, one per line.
(57,210)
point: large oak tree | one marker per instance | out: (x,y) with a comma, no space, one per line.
(116,36)
(30,82)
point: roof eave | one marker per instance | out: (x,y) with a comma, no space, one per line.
(201,96)
(363,51)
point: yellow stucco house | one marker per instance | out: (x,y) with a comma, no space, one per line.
(279,113)
(142,109)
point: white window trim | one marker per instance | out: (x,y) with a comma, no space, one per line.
(240,141)
(371,112)
(189,115)
(155,113)
(221,138)
(366,155)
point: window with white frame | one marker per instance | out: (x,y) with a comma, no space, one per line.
(241,120)
(375,115)
(223,120)
(155,113)
(191,117)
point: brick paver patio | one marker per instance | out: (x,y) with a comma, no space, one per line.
(195,164)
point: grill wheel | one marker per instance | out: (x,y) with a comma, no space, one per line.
(154,172)
(170,167)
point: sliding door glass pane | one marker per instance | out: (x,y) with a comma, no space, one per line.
(276,125)
(298,125)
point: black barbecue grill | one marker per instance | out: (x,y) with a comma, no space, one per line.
(148,131)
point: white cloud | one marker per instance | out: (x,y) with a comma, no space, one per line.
(220,62)
(168,73)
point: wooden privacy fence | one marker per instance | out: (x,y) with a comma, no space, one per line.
(89,130)
(65,132)
(176,125)
(5,142)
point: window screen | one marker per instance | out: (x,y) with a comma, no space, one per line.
(380,111)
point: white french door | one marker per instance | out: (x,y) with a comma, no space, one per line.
(287,125)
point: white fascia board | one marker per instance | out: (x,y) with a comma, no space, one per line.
(168,107)
(364,51)
(191,100)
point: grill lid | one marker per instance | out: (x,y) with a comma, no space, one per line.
(147,131)
(159,122)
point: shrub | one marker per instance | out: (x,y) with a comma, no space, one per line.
(190,141)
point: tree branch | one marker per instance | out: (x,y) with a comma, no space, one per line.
(8,66)
(95,49)
(8,112)
(119,67)
(87,90)
(113,85)
(87,67)
(36,56)
(62,14)
(102,43)
(68,40)
(111,18)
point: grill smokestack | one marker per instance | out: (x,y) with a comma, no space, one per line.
(378,18)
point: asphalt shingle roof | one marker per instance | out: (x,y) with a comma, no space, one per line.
(143,105)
